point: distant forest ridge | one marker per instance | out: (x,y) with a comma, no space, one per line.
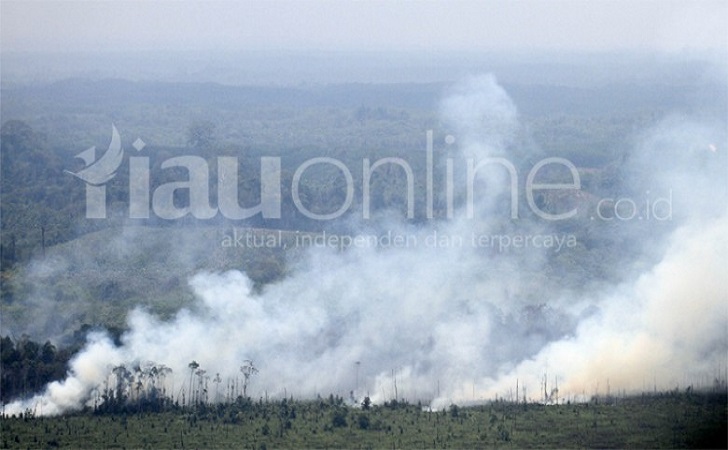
(532,100)
(292,68)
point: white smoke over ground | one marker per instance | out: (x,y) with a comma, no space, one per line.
(445,323)
(666,330)
(89,369)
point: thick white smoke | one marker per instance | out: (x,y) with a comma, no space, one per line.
(666,330)
(444,323)
(88,370)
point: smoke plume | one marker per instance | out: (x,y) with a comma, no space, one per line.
(447,321)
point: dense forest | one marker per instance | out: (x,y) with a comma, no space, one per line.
(28,366)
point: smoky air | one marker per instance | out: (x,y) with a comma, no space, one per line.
(445,293)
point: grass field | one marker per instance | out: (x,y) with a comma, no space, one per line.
(669,420)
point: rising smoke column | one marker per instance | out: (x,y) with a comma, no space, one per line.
(666,330)
(666,326)
(439,323)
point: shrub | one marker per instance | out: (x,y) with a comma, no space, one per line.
(363,421)
(338,419)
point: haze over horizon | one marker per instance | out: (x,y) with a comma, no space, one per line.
(289,42)
(566,25)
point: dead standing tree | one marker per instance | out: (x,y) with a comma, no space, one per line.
(247,369)
(201,385)
(217,380)
(123,379)
(193,366)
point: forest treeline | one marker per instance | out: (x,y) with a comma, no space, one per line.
(27,366)
(135,406)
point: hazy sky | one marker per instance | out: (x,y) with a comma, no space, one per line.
(364,25)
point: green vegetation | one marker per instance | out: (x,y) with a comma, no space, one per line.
(27,366)
(668,420)
(134,412)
